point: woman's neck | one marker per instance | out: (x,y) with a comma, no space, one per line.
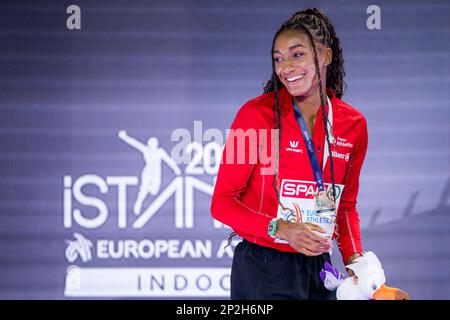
(309,106)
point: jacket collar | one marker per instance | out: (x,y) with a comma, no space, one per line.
(286,98)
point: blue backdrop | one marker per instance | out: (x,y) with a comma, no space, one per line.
(70,223)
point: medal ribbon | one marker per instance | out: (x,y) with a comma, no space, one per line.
(310,147)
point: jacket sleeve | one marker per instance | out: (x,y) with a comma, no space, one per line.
(348,235)
(234,174)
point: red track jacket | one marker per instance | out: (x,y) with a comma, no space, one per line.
(244,197)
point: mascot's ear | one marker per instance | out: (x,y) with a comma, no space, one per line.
(362,264)
(372,259)
(357,267)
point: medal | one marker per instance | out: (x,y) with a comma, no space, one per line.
(323,201)
(325,211)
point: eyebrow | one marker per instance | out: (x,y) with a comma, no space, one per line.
(291,48)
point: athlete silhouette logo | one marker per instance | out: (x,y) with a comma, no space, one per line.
(152,173)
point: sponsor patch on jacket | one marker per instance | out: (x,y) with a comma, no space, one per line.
(298,204)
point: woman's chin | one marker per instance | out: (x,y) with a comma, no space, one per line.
(299,90)
(296,92)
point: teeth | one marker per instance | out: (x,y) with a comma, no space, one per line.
(295,78)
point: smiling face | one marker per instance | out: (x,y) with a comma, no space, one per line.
(294,62)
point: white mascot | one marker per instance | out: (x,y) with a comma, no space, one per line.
(368,282)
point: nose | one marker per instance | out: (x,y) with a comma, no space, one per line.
(287,67)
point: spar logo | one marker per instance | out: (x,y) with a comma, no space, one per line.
(304,189)
(78,201)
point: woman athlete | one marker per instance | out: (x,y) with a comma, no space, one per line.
(290,209)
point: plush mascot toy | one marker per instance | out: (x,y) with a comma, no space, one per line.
(368,283)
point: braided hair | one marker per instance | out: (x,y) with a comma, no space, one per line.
(317,27)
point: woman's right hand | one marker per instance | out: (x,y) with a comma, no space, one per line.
(302,237)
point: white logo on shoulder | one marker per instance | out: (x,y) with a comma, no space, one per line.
(293,147)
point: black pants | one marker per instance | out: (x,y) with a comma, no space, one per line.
(264,273)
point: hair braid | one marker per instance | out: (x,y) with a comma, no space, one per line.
(324,114)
